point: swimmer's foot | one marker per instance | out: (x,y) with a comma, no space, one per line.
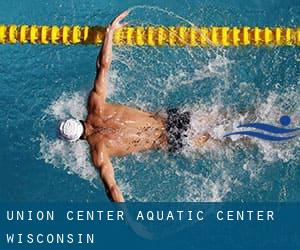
(200,140)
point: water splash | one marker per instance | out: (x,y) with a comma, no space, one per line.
(74,158)
(192,185)
(215,85)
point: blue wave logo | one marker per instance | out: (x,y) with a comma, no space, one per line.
(279,133)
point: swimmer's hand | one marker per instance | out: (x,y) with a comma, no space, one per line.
(115,24)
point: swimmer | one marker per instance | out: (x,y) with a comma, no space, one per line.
(114,130)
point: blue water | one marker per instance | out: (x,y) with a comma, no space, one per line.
(42,84)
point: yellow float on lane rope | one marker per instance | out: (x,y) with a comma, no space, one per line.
(152,35)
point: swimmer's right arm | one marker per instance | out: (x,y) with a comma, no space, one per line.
(105,56)
(103,164)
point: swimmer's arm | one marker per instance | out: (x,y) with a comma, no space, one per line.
(105,56)
(102,65)
(103,164)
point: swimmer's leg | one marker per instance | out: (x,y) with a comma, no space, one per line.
(203,138)
(200,140)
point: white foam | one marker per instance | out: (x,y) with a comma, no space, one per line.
(217,121)
(271,110)
(72,157)
(68,105)
(174,182)
(214,118)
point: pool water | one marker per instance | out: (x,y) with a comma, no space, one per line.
(43,84)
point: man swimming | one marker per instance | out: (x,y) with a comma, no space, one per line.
(117,130)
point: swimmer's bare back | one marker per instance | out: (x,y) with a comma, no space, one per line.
(113,129)
(123,130)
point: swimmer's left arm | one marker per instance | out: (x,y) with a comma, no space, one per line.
(105,56)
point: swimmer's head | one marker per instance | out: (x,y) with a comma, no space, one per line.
(70,130)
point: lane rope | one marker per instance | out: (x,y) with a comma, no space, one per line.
(152,35)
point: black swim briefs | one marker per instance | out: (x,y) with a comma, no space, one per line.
(177,124)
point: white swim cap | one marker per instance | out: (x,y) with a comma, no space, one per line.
(70,130)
